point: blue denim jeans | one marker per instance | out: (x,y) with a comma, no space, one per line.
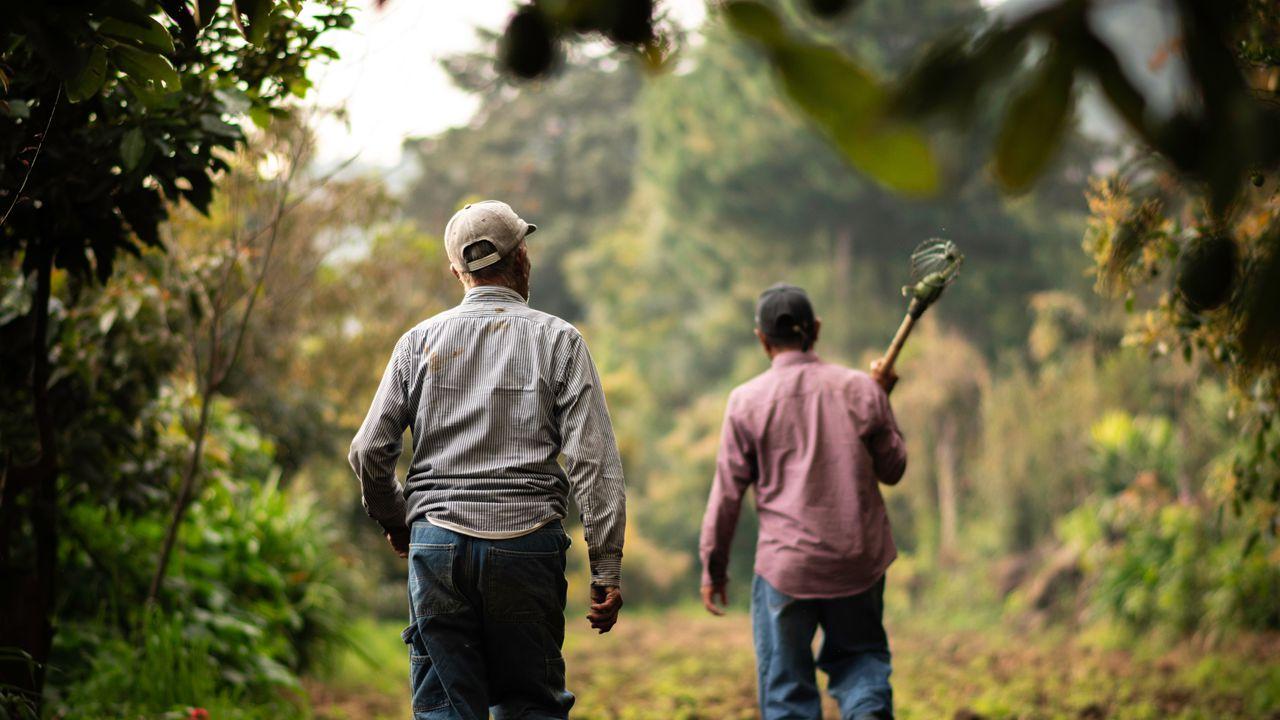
(487,625)
(854,654)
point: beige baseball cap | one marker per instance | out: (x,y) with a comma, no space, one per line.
(490,220)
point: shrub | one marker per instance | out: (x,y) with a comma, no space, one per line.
(256,572)
(170,672)
(1153,562)
(251,599)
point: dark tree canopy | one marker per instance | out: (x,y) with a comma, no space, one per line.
(108,110)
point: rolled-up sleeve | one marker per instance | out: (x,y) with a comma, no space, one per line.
(888,450)
(376,447)
(735,472)
(592,462)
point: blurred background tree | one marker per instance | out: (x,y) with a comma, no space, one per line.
(1193,201)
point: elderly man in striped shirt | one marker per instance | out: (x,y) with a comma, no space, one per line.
(496,393)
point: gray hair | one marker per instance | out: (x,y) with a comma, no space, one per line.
(504,272)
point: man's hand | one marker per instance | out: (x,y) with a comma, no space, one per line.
(709,595)
(886,379)
(606,601)
(399,539)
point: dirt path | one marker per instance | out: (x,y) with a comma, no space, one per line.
(687,667)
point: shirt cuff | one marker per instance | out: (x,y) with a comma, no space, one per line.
(607,571)
(714,570)
(388,510)
(388,527)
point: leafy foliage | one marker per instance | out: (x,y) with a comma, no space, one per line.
(253,599)
(170,673)
(109,112)
(107,115)
(1165,565)
(1216,139)
(1205,288)
(256,587)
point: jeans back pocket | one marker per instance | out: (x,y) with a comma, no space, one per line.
(524,586)
(431,583)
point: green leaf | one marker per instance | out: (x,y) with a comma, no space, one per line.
(829,87)
(299,88)
(150,96)
(205,10)
(897,156)
(150,35)
(850,106)
(253,17)
(131,148)
(88,81)
(261,116)
(146,68)
(126,10)
(1034,123)
(844,100)
(756,22)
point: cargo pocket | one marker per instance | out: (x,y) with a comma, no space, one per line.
(428,691)
(431,583)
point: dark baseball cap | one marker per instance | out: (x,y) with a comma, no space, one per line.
(784,313)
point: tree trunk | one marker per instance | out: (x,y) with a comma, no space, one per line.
(945,462)
(842,281)
(26,606)
(1186,495)
(185,494)
(8,511)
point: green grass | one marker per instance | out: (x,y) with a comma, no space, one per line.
(367,681)
(684,665)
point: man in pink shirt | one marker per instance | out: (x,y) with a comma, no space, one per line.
(815,440)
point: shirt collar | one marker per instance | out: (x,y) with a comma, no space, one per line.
(788,358)
(492,293)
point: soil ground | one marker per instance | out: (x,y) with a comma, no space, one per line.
(686,666)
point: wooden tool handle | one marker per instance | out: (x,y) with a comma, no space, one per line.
(895,347)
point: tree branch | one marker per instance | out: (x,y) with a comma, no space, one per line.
(30,168)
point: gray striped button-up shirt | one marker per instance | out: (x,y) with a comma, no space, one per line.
(495,393)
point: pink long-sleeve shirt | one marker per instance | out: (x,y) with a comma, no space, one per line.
(815,440)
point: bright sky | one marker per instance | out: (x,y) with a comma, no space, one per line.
(390,80)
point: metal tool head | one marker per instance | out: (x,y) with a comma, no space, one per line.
(934,265)
(935,256)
